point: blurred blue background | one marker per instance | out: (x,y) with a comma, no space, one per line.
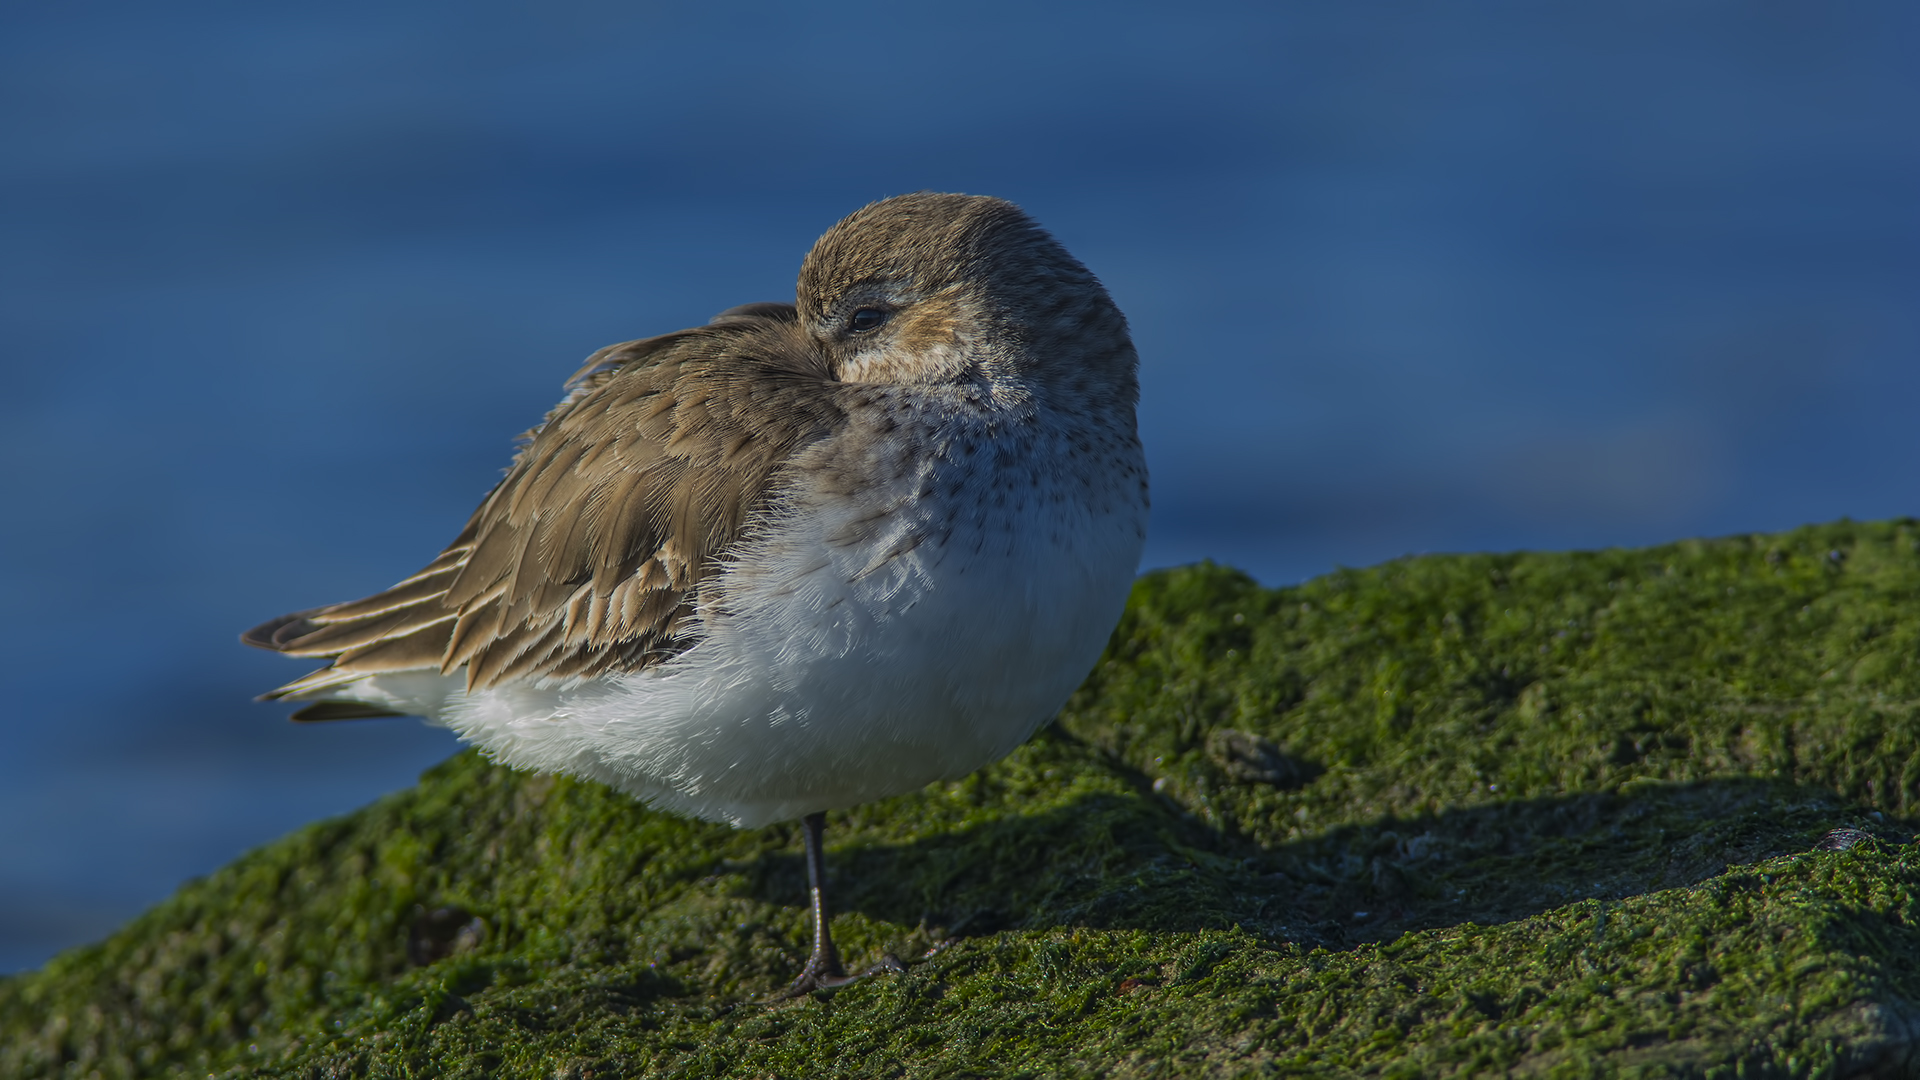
(281,282)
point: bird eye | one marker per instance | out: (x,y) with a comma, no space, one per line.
(866,319)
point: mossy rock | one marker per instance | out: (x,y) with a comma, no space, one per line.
(1557,814)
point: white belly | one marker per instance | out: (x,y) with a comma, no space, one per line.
(843,657)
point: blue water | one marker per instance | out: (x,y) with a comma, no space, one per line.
(278,284)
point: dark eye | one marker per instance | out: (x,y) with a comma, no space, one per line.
(865,319)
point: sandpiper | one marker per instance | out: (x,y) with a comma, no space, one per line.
(803,557)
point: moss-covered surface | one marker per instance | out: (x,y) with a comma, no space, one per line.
(1540,813)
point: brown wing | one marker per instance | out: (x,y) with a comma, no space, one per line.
(588,556)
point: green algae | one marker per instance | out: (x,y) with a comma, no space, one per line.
(1532,814)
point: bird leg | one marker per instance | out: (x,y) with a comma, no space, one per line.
(823,970)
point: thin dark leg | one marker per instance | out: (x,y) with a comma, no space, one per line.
(824,964)
(823,970)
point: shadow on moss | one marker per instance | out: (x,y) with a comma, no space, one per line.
(1114,862)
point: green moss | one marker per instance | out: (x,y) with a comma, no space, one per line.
(1539,813)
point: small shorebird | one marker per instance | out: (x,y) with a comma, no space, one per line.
(803,557)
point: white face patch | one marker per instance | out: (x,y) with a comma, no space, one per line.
(941,363)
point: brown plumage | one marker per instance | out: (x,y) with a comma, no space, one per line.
(588,555)
(881,532)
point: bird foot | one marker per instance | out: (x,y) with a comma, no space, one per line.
(830,976)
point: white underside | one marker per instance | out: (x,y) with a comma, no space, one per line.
(825,673)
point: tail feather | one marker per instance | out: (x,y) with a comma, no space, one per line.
(342,710)
(275,635)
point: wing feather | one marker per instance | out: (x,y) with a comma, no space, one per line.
(419,589)
(419,648)
(588,556)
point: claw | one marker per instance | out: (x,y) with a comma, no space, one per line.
(811,980)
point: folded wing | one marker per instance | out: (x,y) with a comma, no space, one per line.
(588,556)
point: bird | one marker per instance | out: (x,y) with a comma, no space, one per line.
(804,556)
